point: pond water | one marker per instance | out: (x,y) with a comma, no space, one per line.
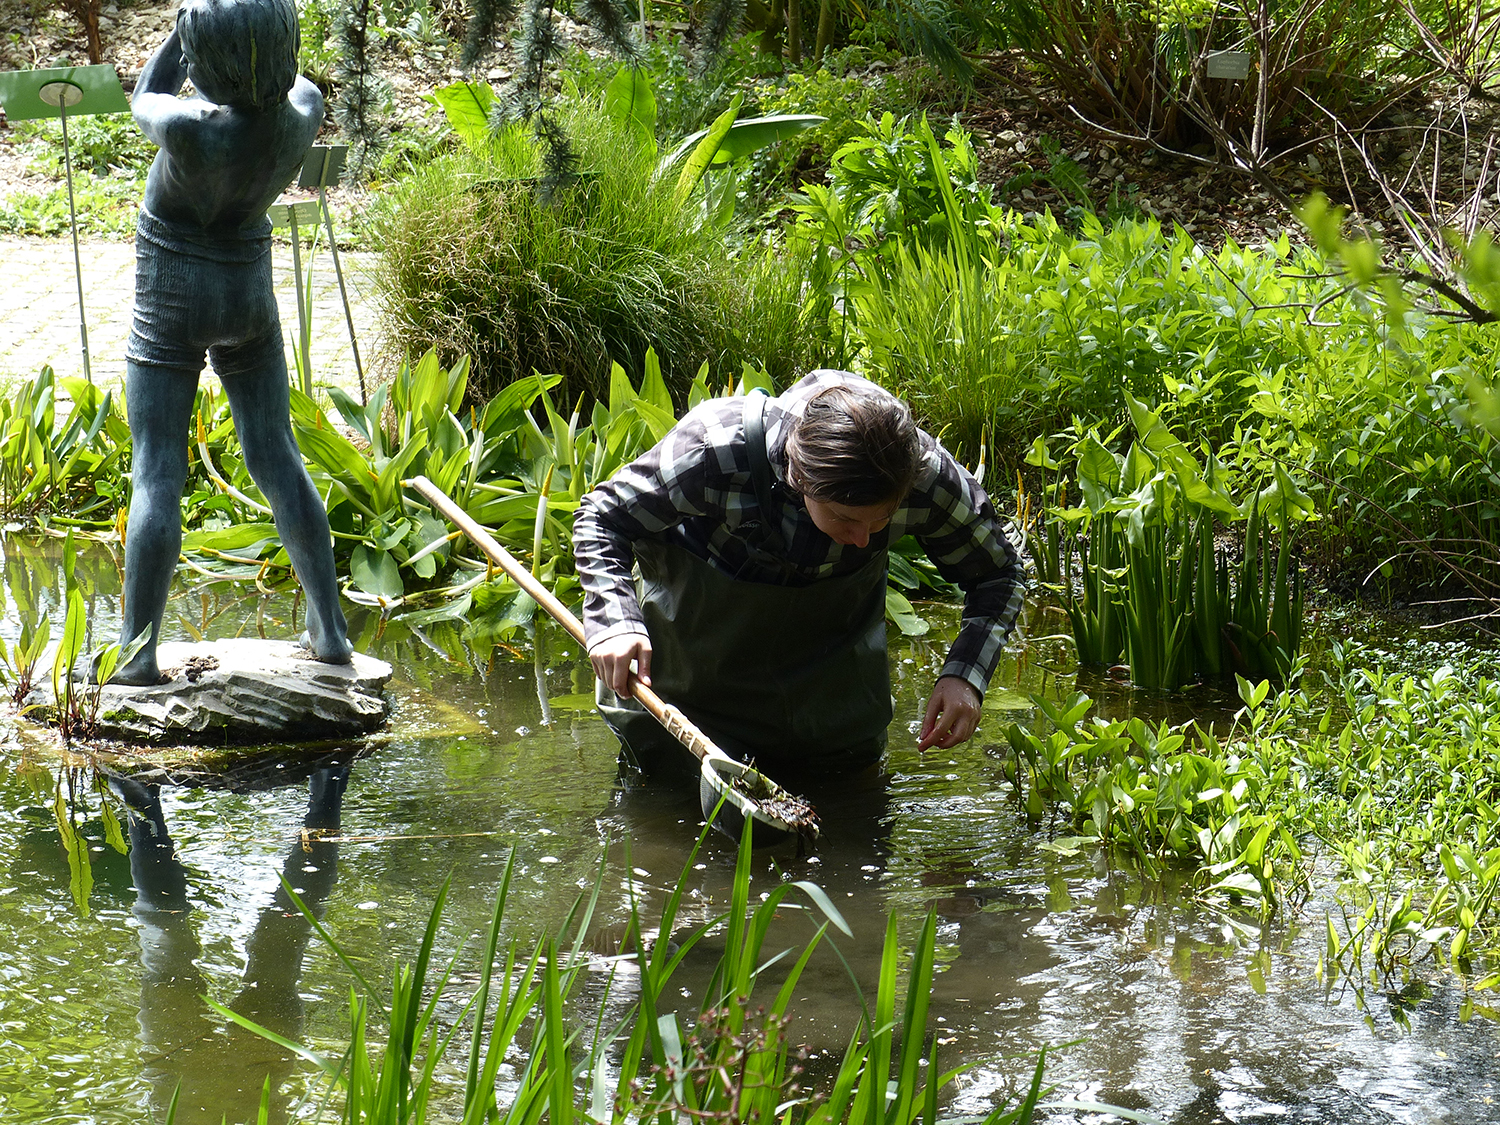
(102,1013)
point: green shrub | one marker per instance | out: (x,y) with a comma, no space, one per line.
(998,328)
(475,262)
(845,99)
(98,145)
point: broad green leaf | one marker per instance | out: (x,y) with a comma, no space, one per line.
(630,102)
(375,572)
(1098,473)
(704,151)
(900,611)
(235,537)
(744,137)
(466,105)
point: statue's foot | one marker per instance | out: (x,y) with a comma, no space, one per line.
(140,672)
(330,650)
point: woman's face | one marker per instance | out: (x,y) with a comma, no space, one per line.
(850,524)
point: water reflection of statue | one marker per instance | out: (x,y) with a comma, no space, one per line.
(203,284)
(221,1070)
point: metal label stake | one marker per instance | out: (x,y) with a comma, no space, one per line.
(78,91)
(321,169)
(63,95)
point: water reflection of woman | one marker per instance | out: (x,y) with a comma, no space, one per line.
(217,1070)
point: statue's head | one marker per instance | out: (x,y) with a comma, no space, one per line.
(240,52)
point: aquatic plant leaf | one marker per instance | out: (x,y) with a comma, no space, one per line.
(235,537)
(375,572)
(825,904)
(900,611)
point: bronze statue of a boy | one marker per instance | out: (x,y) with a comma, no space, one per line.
(203,284)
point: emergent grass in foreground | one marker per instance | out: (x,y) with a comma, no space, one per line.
(731,1063)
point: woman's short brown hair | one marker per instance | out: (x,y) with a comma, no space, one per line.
(853,446)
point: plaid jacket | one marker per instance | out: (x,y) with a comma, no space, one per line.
(694,490)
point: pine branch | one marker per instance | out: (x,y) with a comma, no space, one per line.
(483,28)
(363,95)
(611,19)
(559,158)
(537,45)
(924,28)
(721,21)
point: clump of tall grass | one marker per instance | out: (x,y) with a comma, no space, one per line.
(730,1061)
(475,262)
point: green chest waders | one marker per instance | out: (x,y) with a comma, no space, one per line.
(795,677)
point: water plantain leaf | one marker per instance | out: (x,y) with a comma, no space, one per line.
(456,610)
(1098,473)
(336,455)
(387,491)
(653,386)
(494,512)
(375,572)
(236,537)
(899,610)
(466,105)
(630,102)
(364,420)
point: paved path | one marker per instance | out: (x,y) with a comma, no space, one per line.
(39,309)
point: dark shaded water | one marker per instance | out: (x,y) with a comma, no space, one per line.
(101,1014)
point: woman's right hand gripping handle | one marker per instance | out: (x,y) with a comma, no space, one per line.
(615,658)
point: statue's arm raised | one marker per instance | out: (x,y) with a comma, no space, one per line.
(177,125)
(155,104)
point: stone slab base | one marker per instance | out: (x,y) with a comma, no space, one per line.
(241,690)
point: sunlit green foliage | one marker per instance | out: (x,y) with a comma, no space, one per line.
(1389,777)
(1152,583)
(998,327)
(72,469)
(475,263)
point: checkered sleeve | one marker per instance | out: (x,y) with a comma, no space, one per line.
(681,477)
(963,536)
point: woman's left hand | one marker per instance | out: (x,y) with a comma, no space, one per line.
(952,714)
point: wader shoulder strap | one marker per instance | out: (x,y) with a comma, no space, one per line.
(755,443)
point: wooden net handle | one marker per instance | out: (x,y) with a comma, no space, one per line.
(678,725)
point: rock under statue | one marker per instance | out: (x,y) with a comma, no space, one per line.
(203,284)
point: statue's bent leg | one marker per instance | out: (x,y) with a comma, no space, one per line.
(254,377)
(159,403)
